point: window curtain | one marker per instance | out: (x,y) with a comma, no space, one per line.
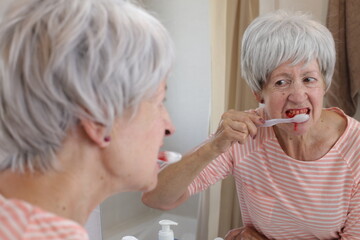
(238,96)
(229,19)
(343,20)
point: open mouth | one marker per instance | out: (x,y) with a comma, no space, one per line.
(293,112)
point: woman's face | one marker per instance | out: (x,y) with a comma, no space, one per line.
(135,143)
(292,90)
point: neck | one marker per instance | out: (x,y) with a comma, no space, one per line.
(298,147)
(72,191)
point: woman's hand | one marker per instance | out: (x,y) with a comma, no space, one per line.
(244,233)
(235,126)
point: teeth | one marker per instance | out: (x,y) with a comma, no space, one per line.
(296,112)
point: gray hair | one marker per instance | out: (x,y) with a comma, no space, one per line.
(281,36)
(64,60)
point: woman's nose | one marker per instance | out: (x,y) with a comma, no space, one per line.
(169,130)
(298,93)
(169,127)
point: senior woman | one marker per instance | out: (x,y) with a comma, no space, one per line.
(294,181)
(82,84)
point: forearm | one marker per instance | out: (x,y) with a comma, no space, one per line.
(173,181)
(172,188)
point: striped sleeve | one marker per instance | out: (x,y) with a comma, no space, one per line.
(218,169)
(351,230)
(351,151)
(223,166)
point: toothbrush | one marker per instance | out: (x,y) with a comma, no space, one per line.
(168,157)
(296,119)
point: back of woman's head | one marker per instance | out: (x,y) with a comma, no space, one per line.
(281,36)
(63,60)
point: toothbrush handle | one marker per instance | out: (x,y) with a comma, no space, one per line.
(272,122)
(269,123)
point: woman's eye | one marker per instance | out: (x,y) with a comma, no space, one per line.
(309,79)
(280,83)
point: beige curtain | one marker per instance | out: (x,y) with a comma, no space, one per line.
(343,20)
(229,20)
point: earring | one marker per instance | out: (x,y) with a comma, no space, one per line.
(107,139)
(262,101)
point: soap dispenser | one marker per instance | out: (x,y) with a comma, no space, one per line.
(166,233)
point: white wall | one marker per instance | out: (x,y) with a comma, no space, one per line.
(189,87)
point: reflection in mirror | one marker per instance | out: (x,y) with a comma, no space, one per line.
(188,103)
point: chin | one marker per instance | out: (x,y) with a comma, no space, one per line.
(149,180)
(149,187)
(150,184)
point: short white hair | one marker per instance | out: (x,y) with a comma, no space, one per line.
(63,60)
(282,36)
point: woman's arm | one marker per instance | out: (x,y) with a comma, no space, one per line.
(173,181)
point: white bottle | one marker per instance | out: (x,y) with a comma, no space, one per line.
(166,233)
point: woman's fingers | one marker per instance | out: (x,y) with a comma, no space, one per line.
(233,234)
(250,233)
(235,126)
(243,123)
(244,233)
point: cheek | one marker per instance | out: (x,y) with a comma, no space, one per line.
(318,101)
(153,137)
(317,96)
(275,101)
(320,93)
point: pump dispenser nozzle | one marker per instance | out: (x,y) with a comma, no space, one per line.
(166,233)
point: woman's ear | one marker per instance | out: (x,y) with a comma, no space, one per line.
(96,132)
(258,97)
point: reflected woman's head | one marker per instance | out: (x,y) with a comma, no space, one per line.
(279,37)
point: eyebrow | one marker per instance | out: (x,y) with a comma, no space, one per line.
(284,74)
(281,75)
(309,72)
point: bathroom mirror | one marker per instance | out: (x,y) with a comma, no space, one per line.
(188,101)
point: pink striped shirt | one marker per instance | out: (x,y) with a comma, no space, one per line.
(285,198)
(21,220)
